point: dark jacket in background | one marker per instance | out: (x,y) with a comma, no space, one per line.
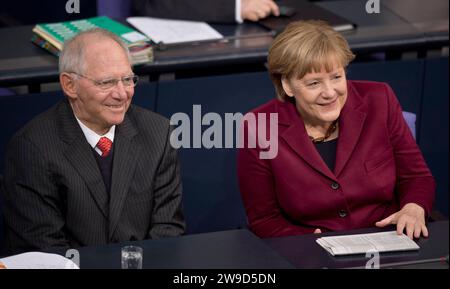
(222,11)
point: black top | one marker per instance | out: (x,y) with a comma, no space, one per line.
(327,151)
(105,166)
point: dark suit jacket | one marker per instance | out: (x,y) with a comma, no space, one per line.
(55,195)
(197,10)
(379,168)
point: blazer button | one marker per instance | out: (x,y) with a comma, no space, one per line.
(334,185)
(343,213)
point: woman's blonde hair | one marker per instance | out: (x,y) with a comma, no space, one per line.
(304,47)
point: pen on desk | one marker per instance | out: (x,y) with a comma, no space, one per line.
(444,259)
(416,262)
(271,33)
(161,46)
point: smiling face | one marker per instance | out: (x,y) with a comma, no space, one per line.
(100,109)
(319,96)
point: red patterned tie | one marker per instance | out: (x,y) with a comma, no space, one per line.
(104,144)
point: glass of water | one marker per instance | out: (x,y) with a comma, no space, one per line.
(132,257)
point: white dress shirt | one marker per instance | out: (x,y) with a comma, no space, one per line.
(238,11)
(92,137)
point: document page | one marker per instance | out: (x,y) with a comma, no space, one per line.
(174,31)
(363,243)
(37,260)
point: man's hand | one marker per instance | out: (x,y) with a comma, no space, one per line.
(411,217)
(255,10)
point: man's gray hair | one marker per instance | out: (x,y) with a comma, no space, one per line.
(71,58)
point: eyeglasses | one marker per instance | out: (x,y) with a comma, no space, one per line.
(106,84)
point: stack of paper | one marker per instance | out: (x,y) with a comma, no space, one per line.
(174,31)
(364,243)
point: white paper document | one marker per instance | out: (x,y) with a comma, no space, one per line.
(174,31)
(38,260)
(363,243)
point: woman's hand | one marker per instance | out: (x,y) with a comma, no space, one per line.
(411,217)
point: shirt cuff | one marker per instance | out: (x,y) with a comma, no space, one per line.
(238,11)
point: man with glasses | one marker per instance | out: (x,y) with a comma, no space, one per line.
(94,169)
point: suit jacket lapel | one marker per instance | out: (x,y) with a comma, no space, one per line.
(79,154)
(351,123)
(297,138)
(125,159)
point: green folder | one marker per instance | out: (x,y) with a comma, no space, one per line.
(57,33)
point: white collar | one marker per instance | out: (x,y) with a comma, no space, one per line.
(92,137)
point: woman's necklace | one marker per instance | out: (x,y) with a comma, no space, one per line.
(331,129)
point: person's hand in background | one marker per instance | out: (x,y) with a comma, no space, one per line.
(411,217)
(255,10)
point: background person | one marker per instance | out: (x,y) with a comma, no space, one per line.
(225,11)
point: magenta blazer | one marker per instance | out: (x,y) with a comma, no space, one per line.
(379,168)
